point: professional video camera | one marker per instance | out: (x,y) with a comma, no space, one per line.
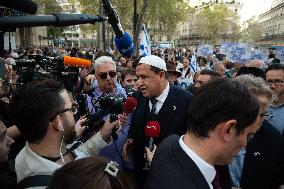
(39,66)
(107,104)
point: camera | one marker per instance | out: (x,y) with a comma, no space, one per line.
(107,104)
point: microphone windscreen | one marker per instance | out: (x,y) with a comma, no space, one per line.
(130,105)
(152,129)
(124,44)
(25,6)
(76,62)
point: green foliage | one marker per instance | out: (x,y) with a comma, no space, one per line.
(165,12)
(217,20)
(253,32)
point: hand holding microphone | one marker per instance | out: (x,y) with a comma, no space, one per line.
(152,130)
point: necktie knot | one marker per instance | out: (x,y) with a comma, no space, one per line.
(154,103)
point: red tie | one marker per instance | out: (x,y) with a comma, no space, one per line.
(216,181)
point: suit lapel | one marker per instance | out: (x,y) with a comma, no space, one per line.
(189,166)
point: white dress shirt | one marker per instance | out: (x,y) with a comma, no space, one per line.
(161,99)
(207,170)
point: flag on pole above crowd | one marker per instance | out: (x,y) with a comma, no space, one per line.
(144,45)
(193,63)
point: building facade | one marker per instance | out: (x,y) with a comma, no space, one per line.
(272,23)
(188,32)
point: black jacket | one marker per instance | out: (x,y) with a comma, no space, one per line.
(173,168)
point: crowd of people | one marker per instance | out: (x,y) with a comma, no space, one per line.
(218,124)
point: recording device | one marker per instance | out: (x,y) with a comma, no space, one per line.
(64,69)
(9,23)
(25,6)
(130,105)
(129,90)
(123,41)
(110,104)
(152,130)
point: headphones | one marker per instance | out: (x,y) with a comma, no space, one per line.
(62,129)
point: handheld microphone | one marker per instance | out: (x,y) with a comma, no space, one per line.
(25,6)
(130,105)
(123,41)
(76,62)
(152,130)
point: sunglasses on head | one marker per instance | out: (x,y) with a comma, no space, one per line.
(111,74)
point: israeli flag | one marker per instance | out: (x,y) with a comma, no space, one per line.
(193,63)
(145,45)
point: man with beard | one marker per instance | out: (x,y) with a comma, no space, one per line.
(44,115)
(275,80)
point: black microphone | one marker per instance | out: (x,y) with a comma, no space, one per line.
(25,6)
(123,41)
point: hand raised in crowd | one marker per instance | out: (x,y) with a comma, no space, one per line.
(122,119)
(107,128)
(80,126)
(127,147)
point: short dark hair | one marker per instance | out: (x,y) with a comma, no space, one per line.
(218,101)
(275,66)
(88,173)
(210,72)
(33,106)
(129,71)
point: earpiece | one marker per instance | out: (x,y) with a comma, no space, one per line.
(62,129)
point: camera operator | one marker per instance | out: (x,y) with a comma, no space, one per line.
(44,115)
(106,83)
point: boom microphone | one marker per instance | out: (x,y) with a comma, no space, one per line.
(123,41)
(152,130)
(76,62)
(25,6)
(129,105)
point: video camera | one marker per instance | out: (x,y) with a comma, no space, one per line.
(39,66)
(108,104)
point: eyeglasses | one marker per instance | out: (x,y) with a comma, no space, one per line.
(276,82)
(73,110)
(266,116)
(111,74)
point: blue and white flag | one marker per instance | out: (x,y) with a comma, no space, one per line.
(193,63)
(205,50)
(144,45)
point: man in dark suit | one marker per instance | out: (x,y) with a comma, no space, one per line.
(215,135)
(260,165)
(157,101)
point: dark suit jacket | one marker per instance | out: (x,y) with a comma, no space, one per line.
(172,119)
(173,168)
(263,164)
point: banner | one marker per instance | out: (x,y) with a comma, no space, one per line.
(205,50)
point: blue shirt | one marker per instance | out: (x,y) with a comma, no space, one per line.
(277,119)
(236,168)
(113,151)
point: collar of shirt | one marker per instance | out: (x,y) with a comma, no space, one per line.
(161,99)
(207,170)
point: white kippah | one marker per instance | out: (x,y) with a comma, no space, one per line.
(154,61)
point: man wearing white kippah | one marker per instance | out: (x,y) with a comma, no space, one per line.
(157,101)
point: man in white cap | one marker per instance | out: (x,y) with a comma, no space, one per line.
(157,101)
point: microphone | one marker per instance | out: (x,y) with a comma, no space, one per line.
(152,130)
(25,6)
(130,105)
(122,40)
(76,62)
